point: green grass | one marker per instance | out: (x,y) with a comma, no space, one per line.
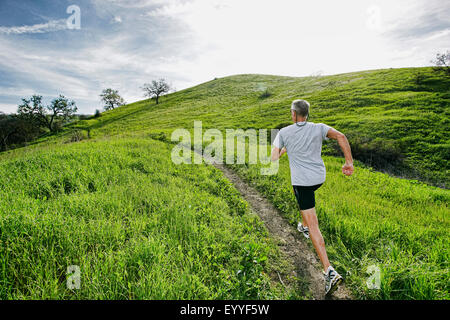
(138,226)
(141,227)
(392,123)
(401,226)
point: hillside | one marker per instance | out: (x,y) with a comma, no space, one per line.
(124,214)
(394,122)
(395,119)
(116,202)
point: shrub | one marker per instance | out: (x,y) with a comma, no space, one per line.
(161,136)
(83,117)
(265,94)
(377,153)
(77,135)
(419,78)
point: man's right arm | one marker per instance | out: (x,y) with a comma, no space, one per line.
(347,168)
(278,149)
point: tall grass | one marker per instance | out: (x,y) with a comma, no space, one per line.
(393,123)
(138,226)
(371,219)
(141,227)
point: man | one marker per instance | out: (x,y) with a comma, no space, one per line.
(303,143)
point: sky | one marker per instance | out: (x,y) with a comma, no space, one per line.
(78,48)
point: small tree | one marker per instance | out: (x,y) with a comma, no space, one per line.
(15,130)
(442,62)
(156,89)
(111,99)
(60,109)
(7,128)
(33,111)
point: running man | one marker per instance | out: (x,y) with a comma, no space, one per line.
(303,143)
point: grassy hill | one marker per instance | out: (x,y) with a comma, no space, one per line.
(138,226)
(396,119)
(116,202)
(394,122)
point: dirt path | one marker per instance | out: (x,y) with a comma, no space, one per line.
(291,243)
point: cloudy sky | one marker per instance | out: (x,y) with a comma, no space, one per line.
(124,43)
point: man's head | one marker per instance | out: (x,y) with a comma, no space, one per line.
(299,110)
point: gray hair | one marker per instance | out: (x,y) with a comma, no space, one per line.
(301,107)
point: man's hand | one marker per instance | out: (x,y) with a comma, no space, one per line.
(347,168)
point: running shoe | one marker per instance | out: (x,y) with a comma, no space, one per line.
(303,230)
(332,280)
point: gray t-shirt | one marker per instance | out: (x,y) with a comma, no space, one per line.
(304,148)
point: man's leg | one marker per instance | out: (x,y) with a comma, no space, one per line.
(310,220)
(304,222)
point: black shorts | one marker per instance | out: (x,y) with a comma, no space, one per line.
(305,196)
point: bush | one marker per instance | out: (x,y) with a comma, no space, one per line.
(161,136)
(77,135)
(266,93)
(419,78)
(377,153)
(83,117)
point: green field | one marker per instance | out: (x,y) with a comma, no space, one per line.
(138,226)
(141,227)
(391,121)
(371,219)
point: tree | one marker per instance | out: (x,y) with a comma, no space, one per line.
(442,62)
(156,89)
(33,111)
(15,130)
(7,128)
(111,99)
(60,110)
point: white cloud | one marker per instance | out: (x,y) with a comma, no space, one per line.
(82,74)
(42,74)
(295,37)
(439,34)
(8,108)
(189,42)
(283,37)
(134,3)
(117,19)
(50,26)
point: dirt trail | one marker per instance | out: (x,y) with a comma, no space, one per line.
(291,243)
